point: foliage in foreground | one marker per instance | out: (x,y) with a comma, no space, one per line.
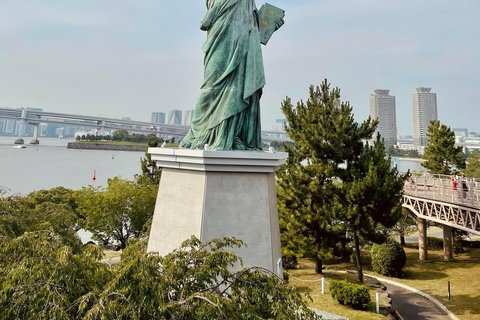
(388,259)
(53,209)
(350,294)
(46,280)
(40,278)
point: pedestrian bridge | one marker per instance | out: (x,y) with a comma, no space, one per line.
(450,202)
(435,198)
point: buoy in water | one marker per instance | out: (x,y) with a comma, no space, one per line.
(94,175)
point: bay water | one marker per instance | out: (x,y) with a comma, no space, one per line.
(50,164)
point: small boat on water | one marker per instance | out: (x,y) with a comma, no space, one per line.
(19,141)
(19,146)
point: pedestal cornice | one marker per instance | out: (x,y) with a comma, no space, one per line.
(220,161)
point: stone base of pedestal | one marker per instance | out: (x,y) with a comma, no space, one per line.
(212,194)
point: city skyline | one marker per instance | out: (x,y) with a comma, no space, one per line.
(128,59)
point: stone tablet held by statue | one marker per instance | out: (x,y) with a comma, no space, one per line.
(268,15)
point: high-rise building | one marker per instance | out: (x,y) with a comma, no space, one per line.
(158,117)
(187,117)
(174,117)
(382,107)
(460,132)
(10,127)
(424,106)
(280,125)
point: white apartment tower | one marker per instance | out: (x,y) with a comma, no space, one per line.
(424,106)
(187,116)
(174,117)
(382,107)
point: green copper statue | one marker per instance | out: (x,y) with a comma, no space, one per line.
(227,112)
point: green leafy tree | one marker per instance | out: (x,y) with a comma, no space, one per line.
(53,209)
(325,137)
(195,281)
(120,135)
(473,165)
(117,212)
(441,153)
(405,226)
(41,278)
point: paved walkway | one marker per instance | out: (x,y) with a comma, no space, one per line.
(412,306)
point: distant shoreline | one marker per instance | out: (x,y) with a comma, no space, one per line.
(105,146)
(410,159)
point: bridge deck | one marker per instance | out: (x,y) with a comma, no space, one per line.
(465,193)
(444,200)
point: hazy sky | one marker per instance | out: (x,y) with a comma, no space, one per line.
(119,58)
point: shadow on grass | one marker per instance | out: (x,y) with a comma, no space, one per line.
(437,267)
(304,289)
(424,275)
(465,304)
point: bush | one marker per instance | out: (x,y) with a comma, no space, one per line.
(289,261)
(470,244)
(388,259)
(349,294)
(458,247)
(434,242)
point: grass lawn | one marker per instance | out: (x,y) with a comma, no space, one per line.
(307,281)
(431,278)
(109,254)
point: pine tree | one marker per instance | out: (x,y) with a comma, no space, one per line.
(441,153)
(371,195)
(150,171)
(325,136)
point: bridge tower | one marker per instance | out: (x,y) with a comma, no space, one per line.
(23,124)
(36,127)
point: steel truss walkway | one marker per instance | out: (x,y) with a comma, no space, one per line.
(453,203)
(437,199)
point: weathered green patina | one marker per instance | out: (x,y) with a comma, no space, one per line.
(227,112)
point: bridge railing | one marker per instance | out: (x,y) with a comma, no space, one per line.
(444,188)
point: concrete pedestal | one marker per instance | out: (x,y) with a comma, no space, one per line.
(213,194)
(422,240)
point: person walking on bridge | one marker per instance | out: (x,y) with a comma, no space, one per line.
(454,186)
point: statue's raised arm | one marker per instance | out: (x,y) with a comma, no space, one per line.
(227,112)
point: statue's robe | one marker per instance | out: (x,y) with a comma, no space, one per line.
(227,112)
